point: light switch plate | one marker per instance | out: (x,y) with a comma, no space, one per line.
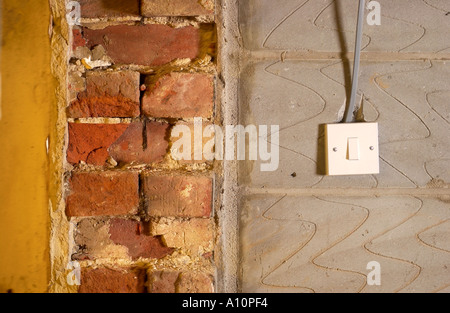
(352,149)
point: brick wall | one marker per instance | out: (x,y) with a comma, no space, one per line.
(143,222)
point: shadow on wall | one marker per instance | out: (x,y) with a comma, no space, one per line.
(89,9)
(345,61)
(347,69)
(120,6)
(321,162)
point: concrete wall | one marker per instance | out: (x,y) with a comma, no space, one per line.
(302,231)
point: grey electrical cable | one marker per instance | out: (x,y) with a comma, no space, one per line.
(359,32)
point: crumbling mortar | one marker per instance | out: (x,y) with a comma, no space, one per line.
(172,21)
(180,260)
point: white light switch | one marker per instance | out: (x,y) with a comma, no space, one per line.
(352,149)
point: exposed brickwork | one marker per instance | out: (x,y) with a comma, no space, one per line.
(195,282)
(151,45)
(179,95)
(124,83)
(111,8)
(106,193)
(102,238)
(199,144)
(179,282)
(78,40)
(178,196)
(93,242)
(134,147)
(137,239)
(130,200)
(194,236)
(103,280)
(177,7)
(163,282)
(108,94)
(76,84)
(89,143)
(132,280)
(118,238)
(125,143)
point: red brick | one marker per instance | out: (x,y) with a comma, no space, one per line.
(180,95)
(151,45)
(90,142)
(195,282)
(108,94)
(125,143)
(133,147)
(104,280)
(109,8)
(78,40)
(102,194)
(132,234)
(177,7)
(178,196)
(180,282)
(163,282)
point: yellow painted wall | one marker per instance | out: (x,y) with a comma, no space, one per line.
(27,98)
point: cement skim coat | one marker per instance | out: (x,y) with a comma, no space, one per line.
(301,231)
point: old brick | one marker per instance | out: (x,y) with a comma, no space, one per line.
(109,8)
(180,95)
(194,236)
(125,143)
(104,280)
(188,137)
(113,84)
(90,142)
(78,40)
(76,84)
(163,282)
(178,196)
(134,147)
(195,282)
(151,45)
(132,235)
(179,282)
(93,242)
(177,7)
(103,193)
(103,107)
(105,238)
(108,94)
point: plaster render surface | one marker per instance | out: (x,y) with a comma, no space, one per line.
(301,231)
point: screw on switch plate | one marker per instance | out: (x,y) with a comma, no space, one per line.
(352,149)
